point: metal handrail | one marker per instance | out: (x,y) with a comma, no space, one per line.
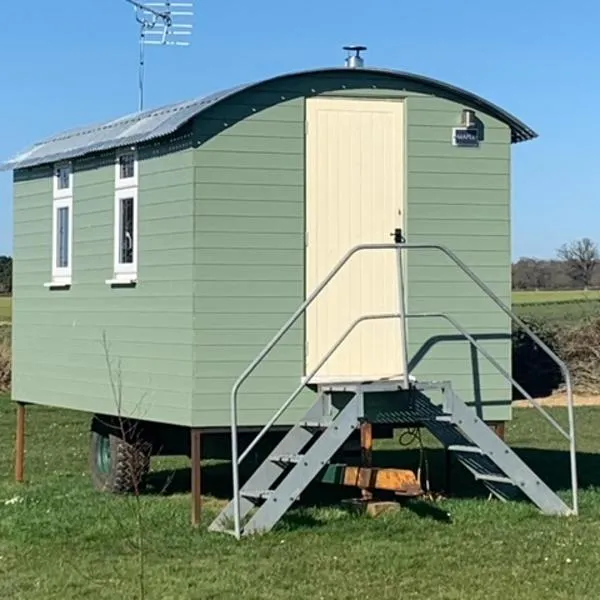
(236,459)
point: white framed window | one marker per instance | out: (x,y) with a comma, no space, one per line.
(62,226)
(62,241)
(62,180)
(126,169)
(125,235)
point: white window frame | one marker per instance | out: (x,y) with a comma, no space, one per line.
(125,272)
(126,182)
(61,277)
(56,191)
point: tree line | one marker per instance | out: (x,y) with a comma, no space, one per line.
(5,275)
(574,267)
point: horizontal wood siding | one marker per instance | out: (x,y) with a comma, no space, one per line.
(459,198)
(249,245)
(221,264)
(59,353)
(248,257)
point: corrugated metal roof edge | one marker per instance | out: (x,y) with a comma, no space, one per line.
(519,131)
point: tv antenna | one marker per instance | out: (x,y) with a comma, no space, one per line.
(161,24)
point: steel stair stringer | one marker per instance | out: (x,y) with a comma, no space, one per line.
(478,448)
(324,425)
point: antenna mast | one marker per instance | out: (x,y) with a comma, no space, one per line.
(161,24)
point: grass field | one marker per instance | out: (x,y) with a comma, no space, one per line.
(5,309)
(59,539)
(554,296)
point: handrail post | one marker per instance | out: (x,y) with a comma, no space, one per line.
(572,445)
(403,327)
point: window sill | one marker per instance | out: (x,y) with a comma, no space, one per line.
(122,281)
(58,285)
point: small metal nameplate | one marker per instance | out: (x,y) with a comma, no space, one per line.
(466,137)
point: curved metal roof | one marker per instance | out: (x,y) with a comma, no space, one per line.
(148,125)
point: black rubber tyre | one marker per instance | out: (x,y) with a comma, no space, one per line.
(117,465)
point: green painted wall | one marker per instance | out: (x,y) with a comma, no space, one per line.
(459,198)
(248,255)
(221,259)
(249,248)
(58,348)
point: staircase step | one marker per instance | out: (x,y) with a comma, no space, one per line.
(444,418)
(288,490)
(465,449)
(257,494)
(494,478)
(267,474)
(287,458)
(498,467)
(315,424)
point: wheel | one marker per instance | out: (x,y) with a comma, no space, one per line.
(117,465)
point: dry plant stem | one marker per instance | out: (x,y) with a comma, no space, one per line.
(116,382)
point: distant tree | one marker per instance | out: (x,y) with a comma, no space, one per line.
(5,275)
(581,257)
(531,274)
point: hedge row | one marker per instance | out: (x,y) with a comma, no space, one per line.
(577,343)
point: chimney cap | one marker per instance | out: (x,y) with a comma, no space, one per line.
(356,49)
(354,61)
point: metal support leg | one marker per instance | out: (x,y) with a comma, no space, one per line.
(196,477)
(20,443)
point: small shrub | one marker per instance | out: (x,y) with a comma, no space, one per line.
(5,364)
(531,366)
(579,347)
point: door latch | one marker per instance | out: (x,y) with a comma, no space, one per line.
(398,236)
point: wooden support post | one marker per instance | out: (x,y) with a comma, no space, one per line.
(196,477)
(501,430)
(20,444)
(448,464)
(366,452)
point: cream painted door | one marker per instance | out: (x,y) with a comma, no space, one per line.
(354,194)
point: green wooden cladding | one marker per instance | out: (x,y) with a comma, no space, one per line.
(221,255)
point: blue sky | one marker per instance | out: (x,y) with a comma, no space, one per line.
(64,66)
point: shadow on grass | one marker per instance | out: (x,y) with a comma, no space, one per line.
(551,465)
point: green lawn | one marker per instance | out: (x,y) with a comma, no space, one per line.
(554,296)
(59,539)
(5,308)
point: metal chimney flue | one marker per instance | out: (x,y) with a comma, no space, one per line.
(354,60)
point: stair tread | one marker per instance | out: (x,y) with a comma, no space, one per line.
(315,424)
(257,494)
(286,458)
(493,477)
(470,448)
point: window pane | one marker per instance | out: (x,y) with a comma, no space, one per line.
(126,231)
(62,177)
(126,166)
(62,237)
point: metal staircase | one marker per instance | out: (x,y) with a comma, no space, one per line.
(294,463)
(341,408)
(490,460)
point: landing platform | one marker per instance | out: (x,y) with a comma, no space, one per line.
(390,402)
